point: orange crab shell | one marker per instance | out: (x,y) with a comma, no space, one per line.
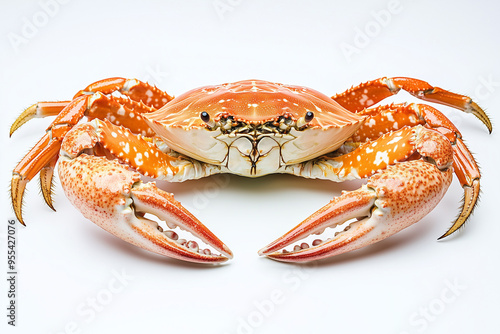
(253,102)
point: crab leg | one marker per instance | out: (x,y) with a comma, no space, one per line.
(367,94)
(370,157)
(467,171)
(383,119)
(393,199)
(119,110)
(147,98)
(46,181)
(38,110)
(43,154)
(137,90)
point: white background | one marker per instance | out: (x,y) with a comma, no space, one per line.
(401,285)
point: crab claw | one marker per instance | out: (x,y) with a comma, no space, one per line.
(115,198)
(391,201)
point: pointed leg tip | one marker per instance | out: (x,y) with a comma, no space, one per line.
(481,115)
(451,230)
(49,201)
(443,236)
(19,213)
(488,124)
(18,185)
(471,195)
(456,226)
(47,183)
(20,219)
(28,114)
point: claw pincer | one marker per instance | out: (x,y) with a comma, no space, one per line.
(114,197)
(392,200)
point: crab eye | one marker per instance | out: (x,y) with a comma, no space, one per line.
(309,116)
(205,117)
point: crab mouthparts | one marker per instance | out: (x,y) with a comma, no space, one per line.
(256,141)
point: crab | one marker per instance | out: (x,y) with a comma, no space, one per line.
(406,153)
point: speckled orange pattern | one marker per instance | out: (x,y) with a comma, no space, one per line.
(385,119)
(401,196)
(147,94)
(121,111)
(409,191)
(371,157)
(96,185)
(120,142)
(79,138)
(103,192)
(432,144)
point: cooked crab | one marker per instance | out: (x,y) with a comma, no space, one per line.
(407,153)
